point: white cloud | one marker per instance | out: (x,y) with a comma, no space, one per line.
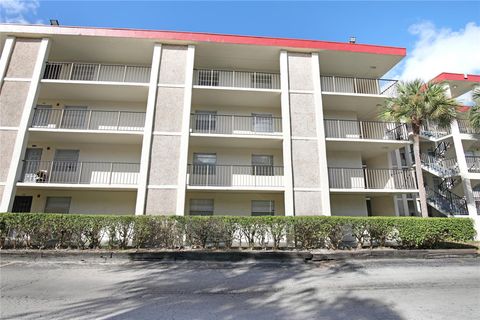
(15,11)
(440,50)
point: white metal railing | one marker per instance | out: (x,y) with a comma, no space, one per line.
(234,176)
(339,84)
(235,124)
(443,167)
(352,129)
(465,127)
(433,130)
(96,72)
(82,119)
(236,79)
(74,172)
(364,178)
(473,163)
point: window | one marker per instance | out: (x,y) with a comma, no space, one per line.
(201,207)
(262,165)
(262,122)
(204,163)
(261,80)
(208,78)
(65,160)
(205,121)
(58,205)
(263,208)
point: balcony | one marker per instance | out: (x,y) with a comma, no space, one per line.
(431,130)
(365,130)
(476,198)
(336,84)
(82,119)
(75,71)
(360,179)
(235,176)
(79,173)
(236,79)
(238,125)
(465,127)
(473,163)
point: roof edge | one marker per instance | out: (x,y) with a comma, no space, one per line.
(203,37)
(447,76)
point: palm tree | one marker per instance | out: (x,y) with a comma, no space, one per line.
(475,110)
(415,103)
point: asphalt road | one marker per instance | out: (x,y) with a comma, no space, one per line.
(353,290)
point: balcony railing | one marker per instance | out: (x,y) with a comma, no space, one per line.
(352,129)
(433,130)
(235,124)
(384,87)
(96,72)
(447,202)
(81,119)
(465,127)
(73,172)
(442,167)
(473,164)
(235,176)
(236,79)
(363,178)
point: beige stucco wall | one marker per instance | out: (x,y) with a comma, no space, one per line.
(308,203)
(164,160)
(7,142)
(344,159)
(348,205)
(12,102)
(23,58)
(1,191)
(85,201)
(169,108)
(300,71)
(236,203)
(161,202)
(172,65)
(305,163)
(383,206)
(340,115)
(302,115)
(95,105)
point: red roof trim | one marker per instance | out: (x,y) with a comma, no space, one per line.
(205,37)
(445,76)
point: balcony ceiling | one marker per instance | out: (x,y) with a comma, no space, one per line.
(212,97)
(366,106)
(235,142)
(368,149)
(73,136)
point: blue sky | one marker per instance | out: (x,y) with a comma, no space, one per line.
(437,34)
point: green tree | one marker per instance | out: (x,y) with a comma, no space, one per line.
(475,110)
(416,103)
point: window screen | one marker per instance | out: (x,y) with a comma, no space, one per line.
(262,165)
(201,207)
(204,163)
(58,205)
(65,160)
(263,207)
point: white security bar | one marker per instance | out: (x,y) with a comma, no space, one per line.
(338,84)
(352,129)
(363,178)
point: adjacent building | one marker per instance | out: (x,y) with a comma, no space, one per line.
(115,121)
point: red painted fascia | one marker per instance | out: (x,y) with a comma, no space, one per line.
(445,76)
(205,37)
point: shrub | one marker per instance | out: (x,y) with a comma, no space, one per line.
(30,230)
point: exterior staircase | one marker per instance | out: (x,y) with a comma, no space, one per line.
(446,202)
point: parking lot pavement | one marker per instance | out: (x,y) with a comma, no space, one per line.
(360,289)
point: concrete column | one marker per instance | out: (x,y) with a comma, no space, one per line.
(287,143)
(322,148)
(22,135)
(148,131)
(184,141)
(5,57)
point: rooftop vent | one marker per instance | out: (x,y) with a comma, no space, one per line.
(353,39)
(54,22)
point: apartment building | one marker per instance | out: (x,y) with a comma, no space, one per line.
(114,121)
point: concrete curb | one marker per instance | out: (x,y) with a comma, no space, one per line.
(226,256)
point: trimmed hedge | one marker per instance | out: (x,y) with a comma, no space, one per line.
(37,230)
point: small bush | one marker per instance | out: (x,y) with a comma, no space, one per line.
(40,231)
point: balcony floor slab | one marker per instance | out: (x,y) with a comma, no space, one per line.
(64,186)
(372,191)
(85,136)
